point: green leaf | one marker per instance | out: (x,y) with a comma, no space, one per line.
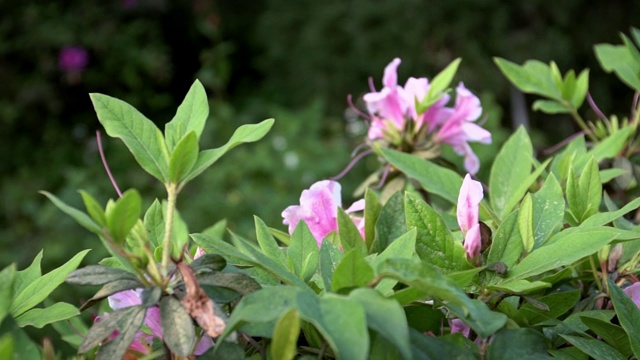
(628,315)
(124,215)
(507,244)
(548,210)
(7,278)
(580,90)
(557,302)
(343,324)
(303,253)
(433,178)
(391,223)
(614,335)
(386,317)
(584,193)
(6,346)
(435,348)
(524,344)
(25,277)
(426,278)
(39,289)
(208,263)
(111,288)
(93,208)
(434,244)
(98,275)
(404,247)
(267,242)
(350,237)
(532,77)
(520,286)
(618,59)
(139,134)
(40,317)
(218,246)
(154,223)
(608,148)
(607,217)
(191,116)
(596,349)
(509,173)
(80,217)
(525,223)
(563,250)
(329,258)
(177,326)
(372,209)
(438,85)
(352,271)
(285,336)
(550,107)
(244,134)
(183,157)
(238,282)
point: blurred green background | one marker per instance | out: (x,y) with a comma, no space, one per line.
(295,61)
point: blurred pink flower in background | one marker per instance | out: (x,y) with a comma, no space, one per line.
(468,210)
(73,59)
(319,210)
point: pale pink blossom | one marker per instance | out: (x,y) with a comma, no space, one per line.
(633,292)
(128,298)
(387,106)
(471,194)
(319,210)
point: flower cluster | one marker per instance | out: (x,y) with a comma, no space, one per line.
(395,117)
(319,210)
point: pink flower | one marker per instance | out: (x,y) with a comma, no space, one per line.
(128,298)
(633,292)
(72,59)
(387,106)
(319,210)
(459,129)
(471,194)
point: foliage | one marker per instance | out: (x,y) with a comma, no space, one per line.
(541,267)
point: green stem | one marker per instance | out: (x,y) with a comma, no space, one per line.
(172,194)
(581,123)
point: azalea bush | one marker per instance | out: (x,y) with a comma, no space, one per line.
(539,260)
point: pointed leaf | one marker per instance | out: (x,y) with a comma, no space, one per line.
(628,315)
(372,210)
(183,157)
(548,210)
(98,275)
(244,134)
(124,215)
(267,242)
(434,244)
(509,172)
(329,258)
(40,289)
(154,223)
(83,219)
(7,279)
(596,349)
(140,135)
(507,244)
(303,253)
(433,178)
(177,326)
(353,271)
(40,317)
(191,116)
(350,237)
(532,77)
(525,223)
(93,208)
(285,336)
(391,223)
